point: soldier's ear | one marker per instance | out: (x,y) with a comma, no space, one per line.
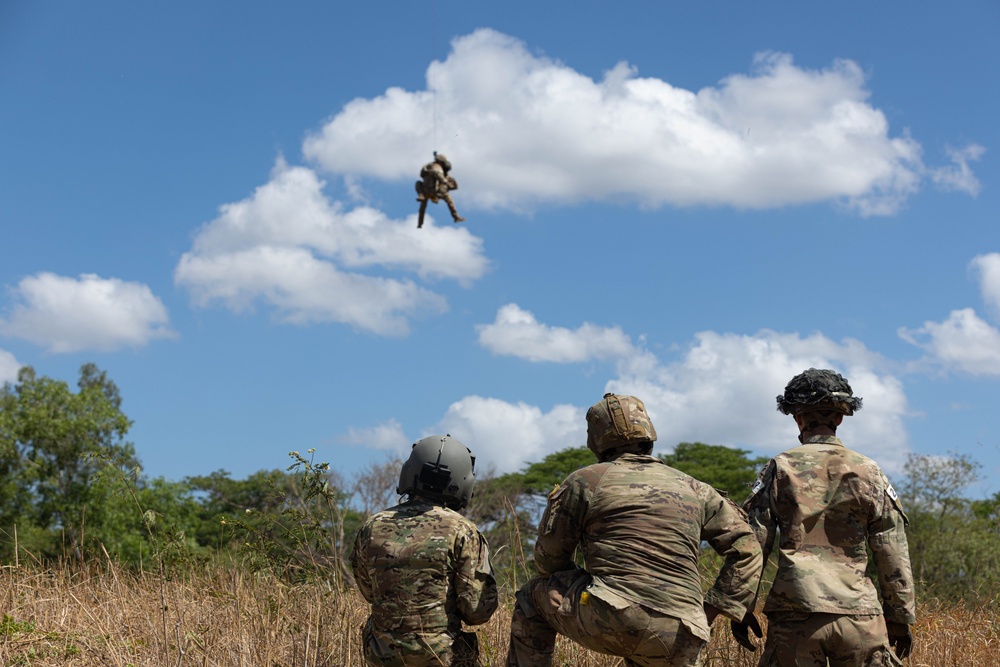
(800,421)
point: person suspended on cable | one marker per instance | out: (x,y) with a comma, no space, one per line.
(435,183)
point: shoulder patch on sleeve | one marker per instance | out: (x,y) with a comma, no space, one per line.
(763,479)
(553,491)
(894,497)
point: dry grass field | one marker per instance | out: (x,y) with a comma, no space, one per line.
(105,615)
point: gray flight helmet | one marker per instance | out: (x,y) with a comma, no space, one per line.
(439,468)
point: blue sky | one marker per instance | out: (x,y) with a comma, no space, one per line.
(689,203)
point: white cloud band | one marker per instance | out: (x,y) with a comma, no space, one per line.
(87,313)
(524,130)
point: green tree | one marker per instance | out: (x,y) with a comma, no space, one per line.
(540,478)
(222,498)
(725,468)
(298,523)
(954,541)
(52,442)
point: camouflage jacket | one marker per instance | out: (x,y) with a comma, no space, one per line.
(828,504)
(640,525)
(425,569)
(436,180)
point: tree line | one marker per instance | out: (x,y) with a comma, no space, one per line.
(72,488)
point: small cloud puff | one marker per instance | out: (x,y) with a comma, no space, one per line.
(959,176)
(516,332)
(964,342)
(388,435)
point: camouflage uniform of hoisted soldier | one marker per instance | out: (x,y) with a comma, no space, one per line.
(424,567)
(435,183)
(828,505)
(639,524)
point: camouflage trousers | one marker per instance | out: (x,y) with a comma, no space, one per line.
(423,197)
(571,604)
(797,639)
(440,649)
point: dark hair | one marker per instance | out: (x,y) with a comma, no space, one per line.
(644,447)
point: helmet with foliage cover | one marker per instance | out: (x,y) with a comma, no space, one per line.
(616,421)
(818,389)
(439,468)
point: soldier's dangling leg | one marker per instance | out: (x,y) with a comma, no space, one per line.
(419,187)
(420,216)
(451,207)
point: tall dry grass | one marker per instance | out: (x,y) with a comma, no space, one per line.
(109,616)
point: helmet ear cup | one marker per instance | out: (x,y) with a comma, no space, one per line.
(439,468)
(434,477)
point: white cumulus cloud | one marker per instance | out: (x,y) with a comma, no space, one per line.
(516,332)
(721,390)
(523,129)
(292,248)
(508,435)
(9,366)
(66,314)
(987,268)
(388,435)
(964,343)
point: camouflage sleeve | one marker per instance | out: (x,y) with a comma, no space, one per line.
(474,581)
(727,531)
(560,528)
(887,540)
(359,563)
(760,509)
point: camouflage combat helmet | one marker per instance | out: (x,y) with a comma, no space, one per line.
(615,421)
(442,160)
(440,468)
(817,389)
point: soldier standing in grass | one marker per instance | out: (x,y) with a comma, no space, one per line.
(828,505)
(435,183)
(640,525)
(424,567)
